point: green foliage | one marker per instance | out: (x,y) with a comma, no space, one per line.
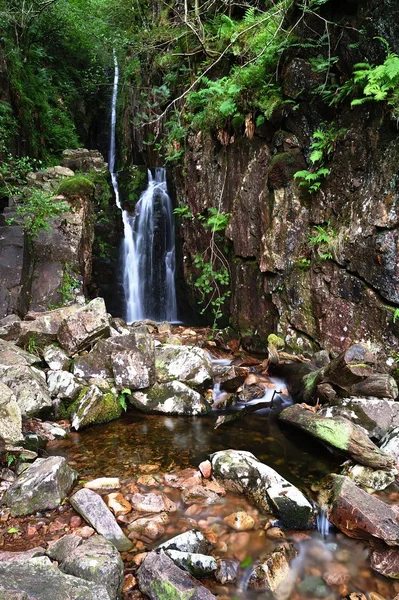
(32,347)
(37,209)
(322,146)
(303,263)
(395,315)
(122,397)
(380,82)
(323,240)
(69,284)
(216,220)
(183,212)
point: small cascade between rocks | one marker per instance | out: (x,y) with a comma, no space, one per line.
(148,249)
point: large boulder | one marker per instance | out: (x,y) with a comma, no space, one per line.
(42,327)
(375,415)
(159,577)
(96,560)
(188,364)
(390,444)
(172,398)
(10,416)
(84,326)
(56,358)
(39,578)
(360,515)
(339,433)
(43,485)
(242,472)
(12,355)
(62,384)
(94,406)
(94,510)
(29,387)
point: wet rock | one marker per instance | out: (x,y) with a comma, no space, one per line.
(92,406)
(183,479)
(200,494)
(192,541)
(273,569)
(29,387)
(240,521)
(159,577)
(56,358)
(336,574)
(366,477)
(313,586)
(188,364)
(118,504)
(232,378)
(390,444)
(87,324)
(174,398)
(340,433)
(148,527)
(386,562)
(43,485)
(10,416)
(153,503)
(94,510)
(227,571)
(377,416)
(198,565)
(62,384)
(360,515)
(39,578)
(241,472)
(96,560)
(103,483)
(206,468)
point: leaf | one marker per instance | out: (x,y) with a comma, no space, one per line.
(316,155)
(13,530)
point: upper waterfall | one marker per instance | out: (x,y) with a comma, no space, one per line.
(148,249)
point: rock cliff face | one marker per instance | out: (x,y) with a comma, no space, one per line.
(280,281)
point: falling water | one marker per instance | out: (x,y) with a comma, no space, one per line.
(148,251)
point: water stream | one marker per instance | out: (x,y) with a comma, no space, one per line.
(148,249)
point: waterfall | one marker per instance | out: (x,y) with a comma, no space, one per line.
(148,250)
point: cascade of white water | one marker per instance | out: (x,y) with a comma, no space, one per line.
(148,250)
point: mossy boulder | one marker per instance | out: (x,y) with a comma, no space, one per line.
(76,186)
(92,406)
(188,364)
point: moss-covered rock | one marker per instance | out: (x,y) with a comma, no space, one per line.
(92,406)
(76,186)
(173,398)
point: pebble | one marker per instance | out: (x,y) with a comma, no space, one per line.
(85,532)
(147,480)
(336,574)
(129,583)
(275,533)
(153,468)
(103,483)
(75,522)
(118,504)
(154,503)
(240,521)
(206,469)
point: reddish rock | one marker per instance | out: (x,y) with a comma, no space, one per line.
(360,515)
(206,469)
(386,562)
(75,522)
(154,503)
(185,479)
(86,532)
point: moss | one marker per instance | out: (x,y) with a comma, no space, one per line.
(333,432)
(164,590)
(275,340)
(76,186)
(111,409)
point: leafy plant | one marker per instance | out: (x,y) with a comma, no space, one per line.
(395,315)
(32,347)
(122,397)
(69,283)
(380,82)
(13,530)
(183,212)
(37,209)
(322,146)
(323,240)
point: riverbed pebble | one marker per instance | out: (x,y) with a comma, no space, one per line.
(240,521)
